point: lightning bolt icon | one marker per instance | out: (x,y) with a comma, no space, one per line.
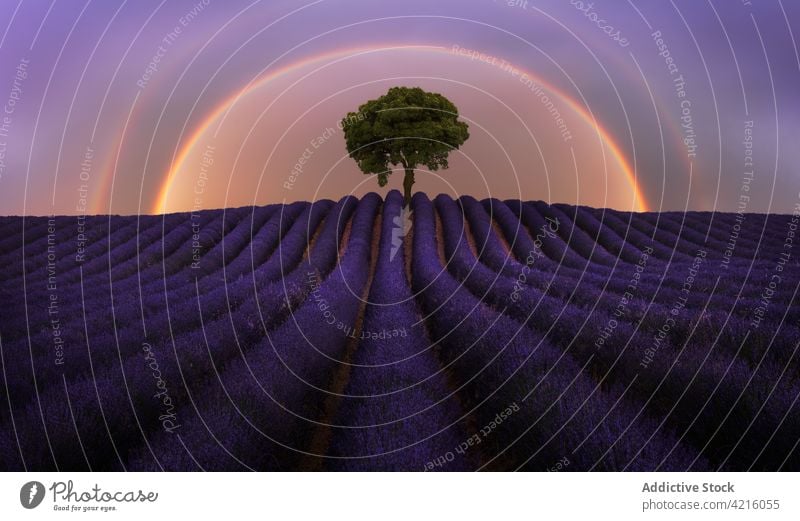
(33,491)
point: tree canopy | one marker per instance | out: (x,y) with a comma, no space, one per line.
(407,126)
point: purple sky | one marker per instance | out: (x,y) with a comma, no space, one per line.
(86,119)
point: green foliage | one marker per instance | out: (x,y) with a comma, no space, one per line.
(406,126)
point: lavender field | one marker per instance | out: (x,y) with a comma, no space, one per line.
(351,335)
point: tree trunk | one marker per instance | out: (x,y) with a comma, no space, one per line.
(408,182)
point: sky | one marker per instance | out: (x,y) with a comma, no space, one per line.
(149,107)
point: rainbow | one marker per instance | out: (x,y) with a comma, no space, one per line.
(160,205)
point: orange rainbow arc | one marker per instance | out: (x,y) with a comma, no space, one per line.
(639,203)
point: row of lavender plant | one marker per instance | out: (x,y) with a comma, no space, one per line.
(182,319)
(572,327)
(502,364)
(397,412)
(262,409)
(126,397)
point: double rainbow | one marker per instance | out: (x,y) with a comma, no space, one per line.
(160,204)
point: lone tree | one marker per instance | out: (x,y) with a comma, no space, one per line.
(406,126)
